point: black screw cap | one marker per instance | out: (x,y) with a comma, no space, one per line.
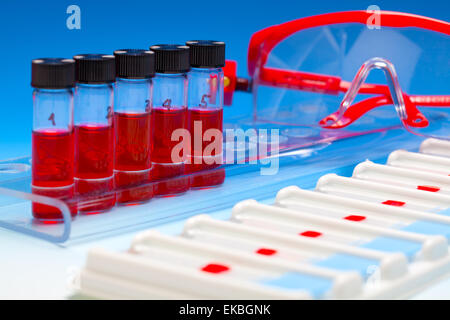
(52,73)
(95,68)
(171,58)
(206,53)
(134,63)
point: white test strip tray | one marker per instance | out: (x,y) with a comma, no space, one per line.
(403,177)
(339,241)
(419,161)
(436,147)
(383,193)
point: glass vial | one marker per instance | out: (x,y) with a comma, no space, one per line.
(94,136)
(168,115)
(205,112)
(52,136)
(132,123)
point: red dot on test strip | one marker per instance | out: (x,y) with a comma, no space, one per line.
(428,188)
(311,234)
(215,268)
(394,203)
(355,217)
(266,251)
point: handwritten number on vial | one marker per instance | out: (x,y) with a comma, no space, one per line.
(147,105)
(203,102)
(52,119)
(167,103)
(108,113)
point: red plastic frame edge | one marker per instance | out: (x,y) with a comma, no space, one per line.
(271,36)
(229,72)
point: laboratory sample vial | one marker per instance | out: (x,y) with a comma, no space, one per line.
(94,135)
(169,118)
(52,136)
(132,123)
(205,112)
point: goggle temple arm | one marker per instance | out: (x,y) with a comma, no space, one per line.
(349,112)
(232,82)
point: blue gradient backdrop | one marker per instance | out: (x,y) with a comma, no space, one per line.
(32,29)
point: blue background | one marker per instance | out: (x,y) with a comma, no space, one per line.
(33,29)
(38,29)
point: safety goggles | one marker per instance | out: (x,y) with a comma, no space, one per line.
(300,71)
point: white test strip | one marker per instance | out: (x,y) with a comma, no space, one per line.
(105,286)
(436,147)
(142,276)
(204,229)
(419,161)
(303,223)
(382,193)
(346,208)
(282,219)
(256,268)
(403,177)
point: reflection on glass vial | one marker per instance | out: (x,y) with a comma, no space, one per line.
(205,113)
(94,137)
(168,115)
(52,135)
(132,123)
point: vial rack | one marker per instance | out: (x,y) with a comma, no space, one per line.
(293,151)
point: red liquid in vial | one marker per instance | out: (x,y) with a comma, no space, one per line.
(205,176)
(93,151)
(209,119)
(49,213)
(164,122)
(133,161)
(178,183)
(94,167)
(52,159)
(95,195)
(136,187)
(52,170)
(132,141)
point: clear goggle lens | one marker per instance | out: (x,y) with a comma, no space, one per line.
(303,79)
